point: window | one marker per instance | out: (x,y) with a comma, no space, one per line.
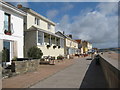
(49,26)
(40,38)
(7,22)
(37,21)
(62,43)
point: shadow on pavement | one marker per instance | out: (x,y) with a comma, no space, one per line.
(94,77)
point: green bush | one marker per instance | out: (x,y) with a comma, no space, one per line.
(35,52)
(4,55)
(60,57)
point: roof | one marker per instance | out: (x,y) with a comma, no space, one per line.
(65,36)
(35,28)
(79,40)
(28,10)
(12,7)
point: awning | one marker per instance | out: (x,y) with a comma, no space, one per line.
(44,31)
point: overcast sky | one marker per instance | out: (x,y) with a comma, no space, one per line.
(96,22)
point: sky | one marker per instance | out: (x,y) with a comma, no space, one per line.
(96,22)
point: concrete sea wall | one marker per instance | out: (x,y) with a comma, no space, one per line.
(111,72)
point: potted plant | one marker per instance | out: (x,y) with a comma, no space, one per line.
(48,46)
(7,32)
(54,47)
(60,57)
(14,58)
(58,46)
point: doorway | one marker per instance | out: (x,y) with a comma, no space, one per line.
(6,47)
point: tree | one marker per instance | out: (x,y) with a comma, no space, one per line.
(34,52)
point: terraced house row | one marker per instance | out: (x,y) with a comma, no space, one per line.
(22,28)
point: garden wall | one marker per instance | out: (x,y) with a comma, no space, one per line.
(26,66)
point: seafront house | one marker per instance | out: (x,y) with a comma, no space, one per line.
(70,45)
(40,32)
(11,31)
(89,47)
(85,46)
(80,47)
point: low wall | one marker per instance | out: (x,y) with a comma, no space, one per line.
(111,73)
(26,66)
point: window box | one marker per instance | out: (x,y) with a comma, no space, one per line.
(7,32)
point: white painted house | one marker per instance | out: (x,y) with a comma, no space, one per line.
(11,31)
(40,32)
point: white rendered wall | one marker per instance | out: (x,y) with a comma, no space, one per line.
(43,24)
(17,21)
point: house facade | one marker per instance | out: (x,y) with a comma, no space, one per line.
(40,32)
(85,46)
(11,31)
(89,46)
(70,45)
(80,46)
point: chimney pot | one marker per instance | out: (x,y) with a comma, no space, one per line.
(19,6)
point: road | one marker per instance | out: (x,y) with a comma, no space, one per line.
(83,74)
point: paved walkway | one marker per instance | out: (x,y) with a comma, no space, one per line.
(74,73)
(30,78)
(83,74)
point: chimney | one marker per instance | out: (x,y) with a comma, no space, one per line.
(19,6)
(70,36)
(63,32)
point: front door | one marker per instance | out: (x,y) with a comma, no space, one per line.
(6,47)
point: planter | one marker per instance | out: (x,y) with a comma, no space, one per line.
(48,46)
(54,47)
(58,46)
(7,32)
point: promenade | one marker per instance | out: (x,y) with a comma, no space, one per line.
(73,73)
(83,74)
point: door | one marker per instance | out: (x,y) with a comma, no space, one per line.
(6,47)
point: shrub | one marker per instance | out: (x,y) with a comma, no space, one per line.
(4,55)
(14,58)
(35,52)
(60,57)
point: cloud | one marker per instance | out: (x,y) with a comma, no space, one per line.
(99,26)
(66,7)
(64,23)
(52,14)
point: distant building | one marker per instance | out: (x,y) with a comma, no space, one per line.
(85,46)
(89,46)
(70,45)
(80,47)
